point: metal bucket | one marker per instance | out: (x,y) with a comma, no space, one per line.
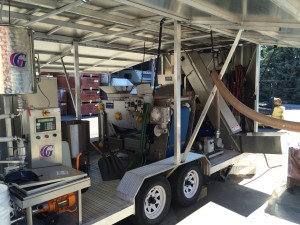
(77,134)
(17,72)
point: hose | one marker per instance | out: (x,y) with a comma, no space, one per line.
(250,113)
(158,54)
(139,158)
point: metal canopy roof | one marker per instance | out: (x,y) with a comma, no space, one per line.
(112,33)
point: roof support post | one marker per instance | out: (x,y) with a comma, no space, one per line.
(211,97)
(77,81)
(177,91)
(257,79)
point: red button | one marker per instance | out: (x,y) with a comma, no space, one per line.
(46,136)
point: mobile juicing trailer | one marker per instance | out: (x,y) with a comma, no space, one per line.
(196,39)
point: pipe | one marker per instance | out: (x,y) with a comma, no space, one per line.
(4,116)
(18,219)
(21,147)
(217,111)
(7,139)
(250,113)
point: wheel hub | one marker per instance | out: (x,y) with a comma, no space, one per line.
(191,184)
(155,202)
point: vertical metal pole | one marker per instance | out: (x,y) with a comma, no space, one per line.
(211,97)
(77,81)
(29,216)
(152,72)
(242,55)
(177,91)
(257,79)
(7,102)
(79,200)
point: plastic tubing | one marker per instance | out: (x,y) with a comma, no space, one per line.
(250,113)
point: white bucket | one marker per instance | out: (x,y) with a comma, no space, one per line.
(5,215)
(4,196)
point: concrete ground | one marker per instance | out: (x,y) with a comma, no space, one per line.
(253,199)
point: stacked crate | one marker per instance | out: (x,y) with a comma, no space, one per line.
(89,94)
(63,100)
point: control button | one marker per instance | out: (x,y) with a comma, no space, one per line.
(46,136)
(54,135)
(38,137)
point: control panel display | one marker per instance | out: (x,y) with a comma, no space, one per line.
(109,105)
(45,124)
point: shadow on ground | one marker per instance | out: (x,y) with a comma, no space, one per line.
(284,204)
(229,194)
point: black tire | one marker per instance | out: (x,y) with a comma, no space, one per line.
(144,215)
(186,183)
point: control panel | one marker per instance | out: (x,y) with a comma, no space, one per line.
(45,148)
(45,124)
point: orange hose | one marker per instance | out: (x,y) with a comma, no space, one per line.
(77,160)
(250,113)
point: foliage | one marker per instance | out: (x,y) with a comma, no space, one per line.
(281,78)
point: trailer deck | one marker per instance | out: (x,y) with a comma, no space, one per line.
(100,202)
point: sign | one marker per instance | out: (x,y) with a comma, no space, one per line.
(47,151)
(18,59)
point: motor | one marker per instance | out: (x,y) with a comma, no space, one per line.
(48,211)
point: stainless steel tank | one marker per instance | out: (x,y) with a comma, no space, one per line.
(77,134)
(17,72)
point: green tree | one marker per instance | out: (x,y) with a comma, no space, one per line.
(280,70)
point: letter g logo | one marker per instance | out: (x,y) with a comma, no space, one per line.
(18,59)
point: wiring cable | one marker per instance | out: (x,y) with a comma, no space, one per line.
(269,168)
(212,49)
(158,54)
(44,94)
(142,65)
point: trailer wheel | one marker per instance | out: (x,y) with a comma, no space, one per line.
(186,184)
(153,201)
